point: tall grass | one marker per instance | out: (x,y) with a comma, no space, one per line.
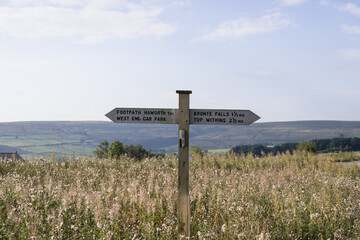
(299,196)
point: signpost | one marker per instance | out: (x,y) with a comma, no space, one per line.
(143,115)
(184,116)
(222,117)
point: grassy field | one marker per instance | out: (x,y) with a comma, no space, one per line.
(219,151)
(61,149)
(298,196)
(29,141)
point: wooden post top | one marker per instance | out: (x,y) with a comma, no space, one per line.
(183,91)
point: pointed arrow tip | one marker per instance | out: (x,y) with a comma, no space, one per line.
(256,117)
(108,115)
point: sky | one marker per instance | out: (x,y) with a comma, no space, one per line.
(75,60)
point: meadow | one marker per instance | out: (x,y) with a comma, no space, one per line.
(288,196)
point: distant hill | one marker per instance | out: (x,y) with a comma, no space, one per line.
(81,138)
(7,149)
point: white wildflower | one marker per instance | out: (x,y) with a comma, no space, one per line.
(263,236)
(314,216)
(338,234)
(223,228)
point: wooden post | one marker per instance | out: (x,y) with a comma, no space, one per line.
(184,117)
(183,187)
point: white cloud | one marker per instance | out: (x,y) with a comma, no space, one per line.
(351,8)
(325,3)
(290,2)
(88,21)
(349,54)
(348,7)
(239,28)
(353,29)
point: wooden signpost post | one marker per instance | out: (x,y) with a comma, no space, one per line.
(184,116)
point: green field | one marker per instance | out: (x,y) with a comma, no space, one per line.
(218,151)
(68,149)
(300,196)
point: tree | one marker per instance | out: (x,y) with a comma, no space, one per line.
(355,143)
(137,152)
(309,146)
(195,150)
(258,149)
(116,149)
(102,150)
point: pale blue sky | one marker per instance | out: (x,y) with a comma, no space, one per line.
(78,59)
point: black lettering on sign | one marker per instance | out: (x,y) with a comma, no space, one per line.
(222,114)
(160,119)
(197,120)
(201,114)
(123,118)
(155,112)
(220,120)
(127,112)
(147,119)
(216,120)
(136,119)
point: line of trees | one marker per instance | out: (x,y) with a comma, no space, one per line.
(117,149)
(338,144)
(317,145)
